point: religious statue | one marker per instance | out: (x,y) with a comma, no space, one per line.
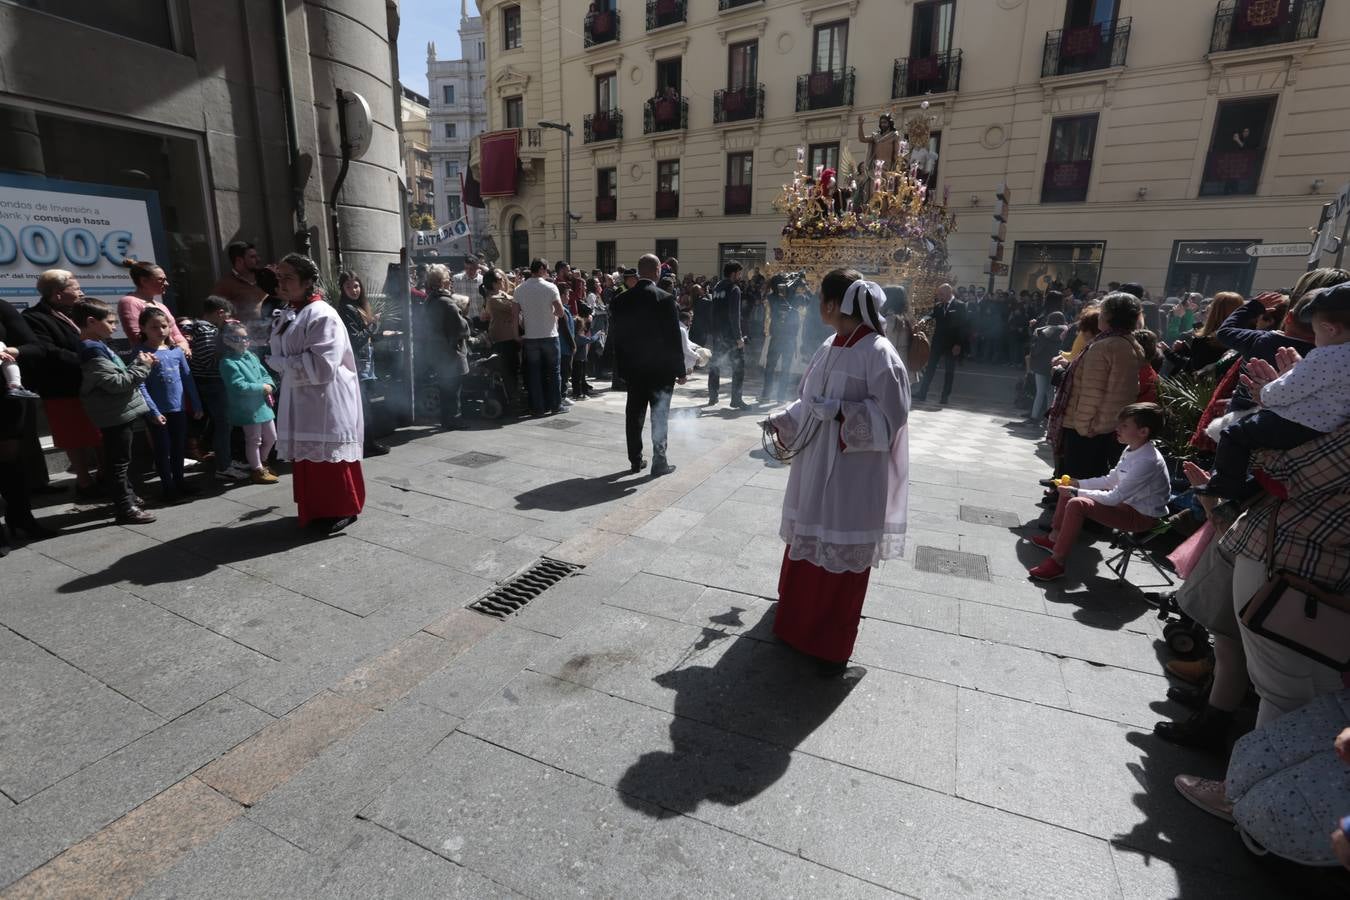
(883,145)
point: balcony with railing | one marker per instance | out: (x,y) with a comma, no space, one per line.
(601,27)
(739,104)
(606,209)
(724,5)
(605,125)
(1066,182)
(737,201)
(823,90)
(1244,24)
(1069,51)
(530,142)
(665,114)
(661,13)
(1232,172)
(919,75)
(667,204)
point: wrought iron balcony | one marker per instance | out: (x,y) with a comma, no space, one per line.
(1232,172)
(822,90)
(1072,50)
(606,125)
(665,114)
(661,13)
(667,204)
(737,200)
(1066,182)
(739,104)
(606,209)
(601,27)
(920,75)
(724,5)
(1260,23)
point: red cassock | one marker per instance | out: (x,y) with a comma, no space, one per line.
(327,490)
(819,611)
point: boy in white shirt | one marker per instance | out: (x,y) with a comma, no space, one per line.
(1311,398)
(1131,497)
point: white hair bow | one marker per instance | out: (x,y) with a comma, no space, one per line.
(865,300)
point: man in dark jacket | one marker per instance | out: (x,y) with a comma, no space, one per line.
(949,326)
(56,375)
(785,325)
(649,354)
(446,343)
(728,340)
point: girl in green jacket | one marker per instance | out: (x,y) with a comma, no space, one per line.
(249,393)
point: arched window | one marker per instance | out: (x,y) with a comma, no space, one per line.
(520,243)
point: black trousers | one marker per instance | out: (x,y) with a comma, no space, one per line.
(778,364)
(642,395)
(170,444)
(579,386)
(930,370)
(726,352)
(1089,457)
(1262,430)
(508,355)
(117,458)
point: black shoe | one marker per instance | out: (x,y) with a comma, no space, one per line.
(1048,502)
(31,530)
(1190,697)
(1206,730)
(375,448)
(711,401)
(739,404)
(336,525)
(637,466)
(661,467)
(135,516)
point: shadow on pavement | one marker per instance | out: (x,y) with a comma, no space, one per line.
(199,553)
(736,722)
(576,493)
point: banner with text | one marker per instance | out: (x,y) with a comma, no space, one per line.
(446,234)
(49,223)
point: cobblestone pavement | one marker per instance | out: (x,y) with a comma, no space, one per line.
(214,706)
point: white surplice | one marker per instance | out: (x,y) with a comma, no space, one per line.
(846,511)
(319,417)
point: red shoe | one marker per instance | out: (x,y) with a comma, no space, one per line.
(1044,542)
(1047,571)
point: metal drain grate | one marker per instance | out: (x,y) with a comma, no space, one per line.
(510,596)
(951,562)
(474,459)
(978,515)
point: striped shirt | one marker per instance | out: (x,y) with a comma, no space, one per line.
(1312,527)
(205,340)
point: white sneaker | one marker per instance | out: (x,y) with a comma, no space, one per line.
(566,404)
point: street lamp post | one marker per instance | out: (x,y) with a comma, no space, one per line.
(566,129)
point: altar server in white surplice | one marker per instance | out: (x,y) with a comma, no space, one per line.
(848,492)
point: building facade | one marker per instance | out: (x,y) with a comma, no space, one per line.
(1141,140)
(457,114)
(219,119)
(419,178)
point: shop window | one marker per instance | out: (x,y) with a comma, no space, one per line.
(1237,150)
(111,179)
(1040,266)
(149,21)
(511,28)
(1068,167)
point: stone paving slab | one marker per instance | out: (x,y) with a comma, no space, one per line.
(244,862)
(480,672)
(57,719)
(67,812)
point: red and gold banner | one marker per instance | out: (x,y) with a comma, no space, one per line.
(499,163)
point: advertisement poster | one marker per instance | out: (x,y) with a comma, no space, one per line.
(47,223)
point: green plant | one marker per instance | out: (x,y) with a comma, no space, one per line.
(1183,399)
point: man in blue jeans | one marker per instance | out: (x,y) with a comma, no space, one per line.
(540,309)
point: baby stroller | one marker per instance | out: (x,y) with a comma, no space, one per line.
(1185,637)
(483,389)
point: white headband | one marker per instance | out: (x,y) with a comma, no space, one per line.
(856,302)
